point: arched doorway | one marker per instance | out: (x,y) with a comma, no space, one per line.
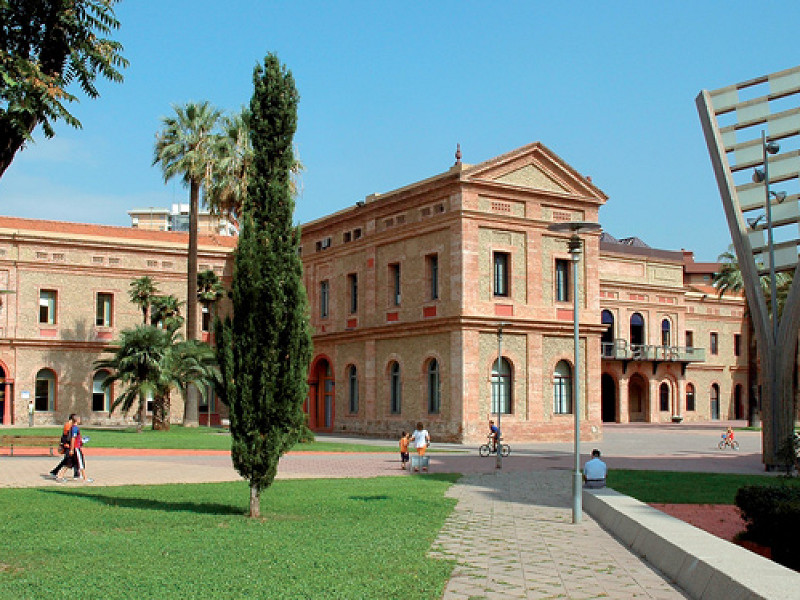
(5,419)
(638,400)
(608,395)
(738,403)
(320,403)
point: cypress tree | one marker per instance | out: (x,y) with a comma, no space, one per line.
(265,348)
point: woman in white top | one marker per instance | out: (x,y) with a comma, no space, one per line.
(421,440)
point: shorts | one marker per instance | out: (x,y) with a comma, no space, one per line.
(404,456)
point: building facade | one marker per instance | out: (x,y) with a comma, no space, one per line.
(65,300)
(408,292)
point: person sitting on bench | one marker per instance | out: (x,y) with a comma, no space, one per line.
(594,471)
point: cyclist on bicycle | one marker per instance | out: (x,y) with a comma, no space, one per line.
(729,436)
(494,434)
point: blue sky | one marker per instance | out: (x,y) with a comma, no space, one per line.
(389,89)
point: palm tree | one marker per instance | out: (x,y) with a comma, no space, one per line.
(151,362)
(166,312)
(185,148)
(230,169)
(209,290)
(142,291)
(729,279)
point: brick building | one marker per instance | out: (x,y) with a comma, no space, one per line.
(408,290)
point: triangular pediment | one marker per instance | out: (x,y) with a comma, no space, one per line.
(535,167)
(531,177)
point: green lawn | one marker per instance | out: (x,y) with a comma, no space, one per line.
(355,538)
(189,438)
(672,487)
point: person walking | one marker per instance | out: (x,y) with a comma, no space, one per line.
(31,412)
(422,440)
(64,448)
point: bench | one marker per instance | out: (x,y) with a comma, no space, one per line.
(39,441)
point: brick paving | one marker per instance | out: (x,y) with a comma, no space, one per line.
(512,536)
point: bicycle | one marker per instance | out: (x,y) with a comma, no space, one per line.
(486,450)
(727,442)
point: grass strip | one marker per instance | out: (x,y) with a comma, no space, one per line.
(353,538)
(672,487)
(185,438)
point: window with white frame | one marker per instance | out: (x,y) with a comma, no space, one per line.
(502,382)
(45,391)
(47,307)
(101,397)
(103,310)
(562,388)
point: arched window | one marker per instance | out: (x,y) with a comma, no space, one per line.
(352,388)
(395,388)
(714,401)
(607,339)
(45,400)
(562,388)
(101,398)
(434,391)
(690,396)
(637,330)
(663,395)
(501,387)
(666,327)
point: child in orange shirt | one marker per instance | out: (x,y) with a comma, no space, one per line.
(404,440)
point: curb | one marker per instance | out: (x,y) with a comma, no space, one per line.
(701,564)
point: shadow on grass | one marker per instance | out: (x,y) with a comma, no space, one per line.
(201,508)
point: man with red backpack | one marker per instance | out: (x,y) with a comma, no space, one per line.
(64,448)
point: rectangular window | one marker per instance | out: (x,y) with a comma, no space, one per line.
(394,282)
(689,340)
(47,307)
(562,280)
(324,289)
(105,303)
(737,344)
(205,321)
(433,275)
(352,281)
(714,343)
(501,261)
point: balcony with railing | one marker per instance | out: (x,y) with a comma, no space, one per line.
(621,350)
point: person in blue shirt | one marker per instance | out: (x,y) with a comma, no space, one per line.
(494,434)
(594,471)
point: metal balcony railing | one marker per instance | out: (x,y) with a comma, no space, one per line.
(620,350)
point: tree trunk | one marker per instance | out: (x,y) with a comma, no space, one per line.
(190,416)
(255,502)
(141,417)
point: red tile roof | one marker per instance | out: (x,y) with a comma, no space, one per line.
(112,231)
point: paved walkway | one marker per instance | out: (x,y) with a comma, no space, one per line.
(512,536)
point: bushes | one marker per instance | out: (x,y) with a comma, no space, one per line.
(772,517)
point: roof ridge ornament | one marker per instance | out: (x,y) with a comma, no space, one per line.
(458,154)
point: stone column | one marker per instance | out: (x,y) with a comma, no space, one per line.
(622,400)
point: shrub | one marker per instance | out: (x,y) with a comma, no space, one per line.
(772,518)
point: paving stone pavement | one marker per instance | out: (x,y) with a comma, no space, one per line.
(513,538)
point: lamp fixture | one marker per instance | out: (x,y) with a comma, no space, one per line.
(753,222)
(779,196)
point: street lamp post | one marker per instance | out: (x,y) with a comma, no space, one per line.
(574,247)
(499,388)
(758,177)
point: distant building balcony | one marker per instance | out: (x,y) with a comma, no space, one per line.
(621,350)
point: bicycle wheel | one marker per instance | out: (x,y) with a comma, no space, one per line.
(735,445)
(505,449)
(484,450)
(721,445)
